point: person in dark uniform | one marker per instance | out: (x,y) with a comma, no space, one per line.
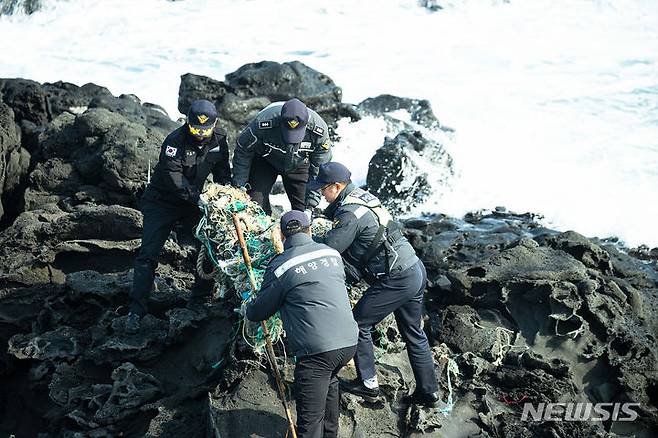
(188,155)
(306,283)
(286,139)
(373,248)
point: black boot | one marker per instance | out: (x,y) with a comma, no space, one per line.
(357,387)
(422,399)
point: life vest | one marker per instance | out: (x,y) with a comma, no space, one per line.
(388,233)
(362,198)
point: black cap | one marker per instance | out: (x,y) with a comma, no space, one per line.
(293,221)
(202,114)
(329,173)
(294,117)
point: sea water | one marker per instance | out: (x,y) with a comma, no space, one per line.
(554,103)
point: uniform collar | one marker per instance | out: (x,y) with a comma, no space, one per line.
(297,240)
(331,209)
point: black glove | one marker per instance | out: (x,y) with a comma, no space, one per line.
(317,212)
(193,195)
(312,199)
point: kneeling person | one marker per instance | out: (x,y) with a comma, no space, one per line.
(306,283)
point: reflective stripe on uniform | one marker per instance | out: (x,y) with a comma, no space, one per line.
(382,215)
(278,272)
(361,211)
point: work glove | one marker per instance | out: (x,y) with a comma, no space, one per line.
(316,213)
(312,199)
(244,187)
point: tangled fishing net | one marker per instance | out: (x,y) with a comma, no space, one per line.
(216,231)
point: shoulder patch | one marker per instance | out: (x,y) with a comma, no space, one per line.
(170,151)
(318,130)
(326,145)
(247,138)
(265,124)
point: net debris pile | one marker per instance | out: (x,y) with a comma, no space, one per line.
(216,231)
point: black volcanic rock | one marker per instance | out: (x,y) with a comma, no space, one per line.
(420,110)
(27,98)
(254,86)
(64,96)
(516,312)
(102,150)
(407,169)
(14,160)
(285,81)
(35,105)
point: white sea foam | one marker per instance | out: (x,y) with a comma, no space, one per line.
(554,102)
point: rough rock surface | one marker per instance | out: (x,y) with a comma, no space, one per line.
(407,169)
(515,312)
(67,145)
(254,86)
(420,110)
(14,160)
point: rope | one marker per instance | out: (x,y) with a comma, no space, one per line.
(199,266)
(451,367)
(269,349)
(216,231)
(503,342)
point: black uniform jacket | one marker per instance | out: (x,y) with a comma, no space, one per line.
(185,163)
(355,227)
(262,137)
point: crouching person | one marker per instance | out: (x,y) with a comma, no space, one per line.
(188,155)
(306,283)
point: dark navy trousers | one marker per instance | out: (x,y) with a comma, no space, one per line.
(317,392)
(262,177)
(401,295)
(160,218)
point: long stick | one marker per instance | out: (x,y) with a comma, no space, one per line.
(268,340)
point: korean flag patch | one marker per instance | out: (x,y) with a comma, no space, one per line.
(170,151)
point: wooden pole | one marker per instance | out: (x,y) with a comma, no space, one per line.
(268,339)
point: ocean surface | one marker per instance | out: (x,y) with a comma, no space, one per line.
(554,103)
